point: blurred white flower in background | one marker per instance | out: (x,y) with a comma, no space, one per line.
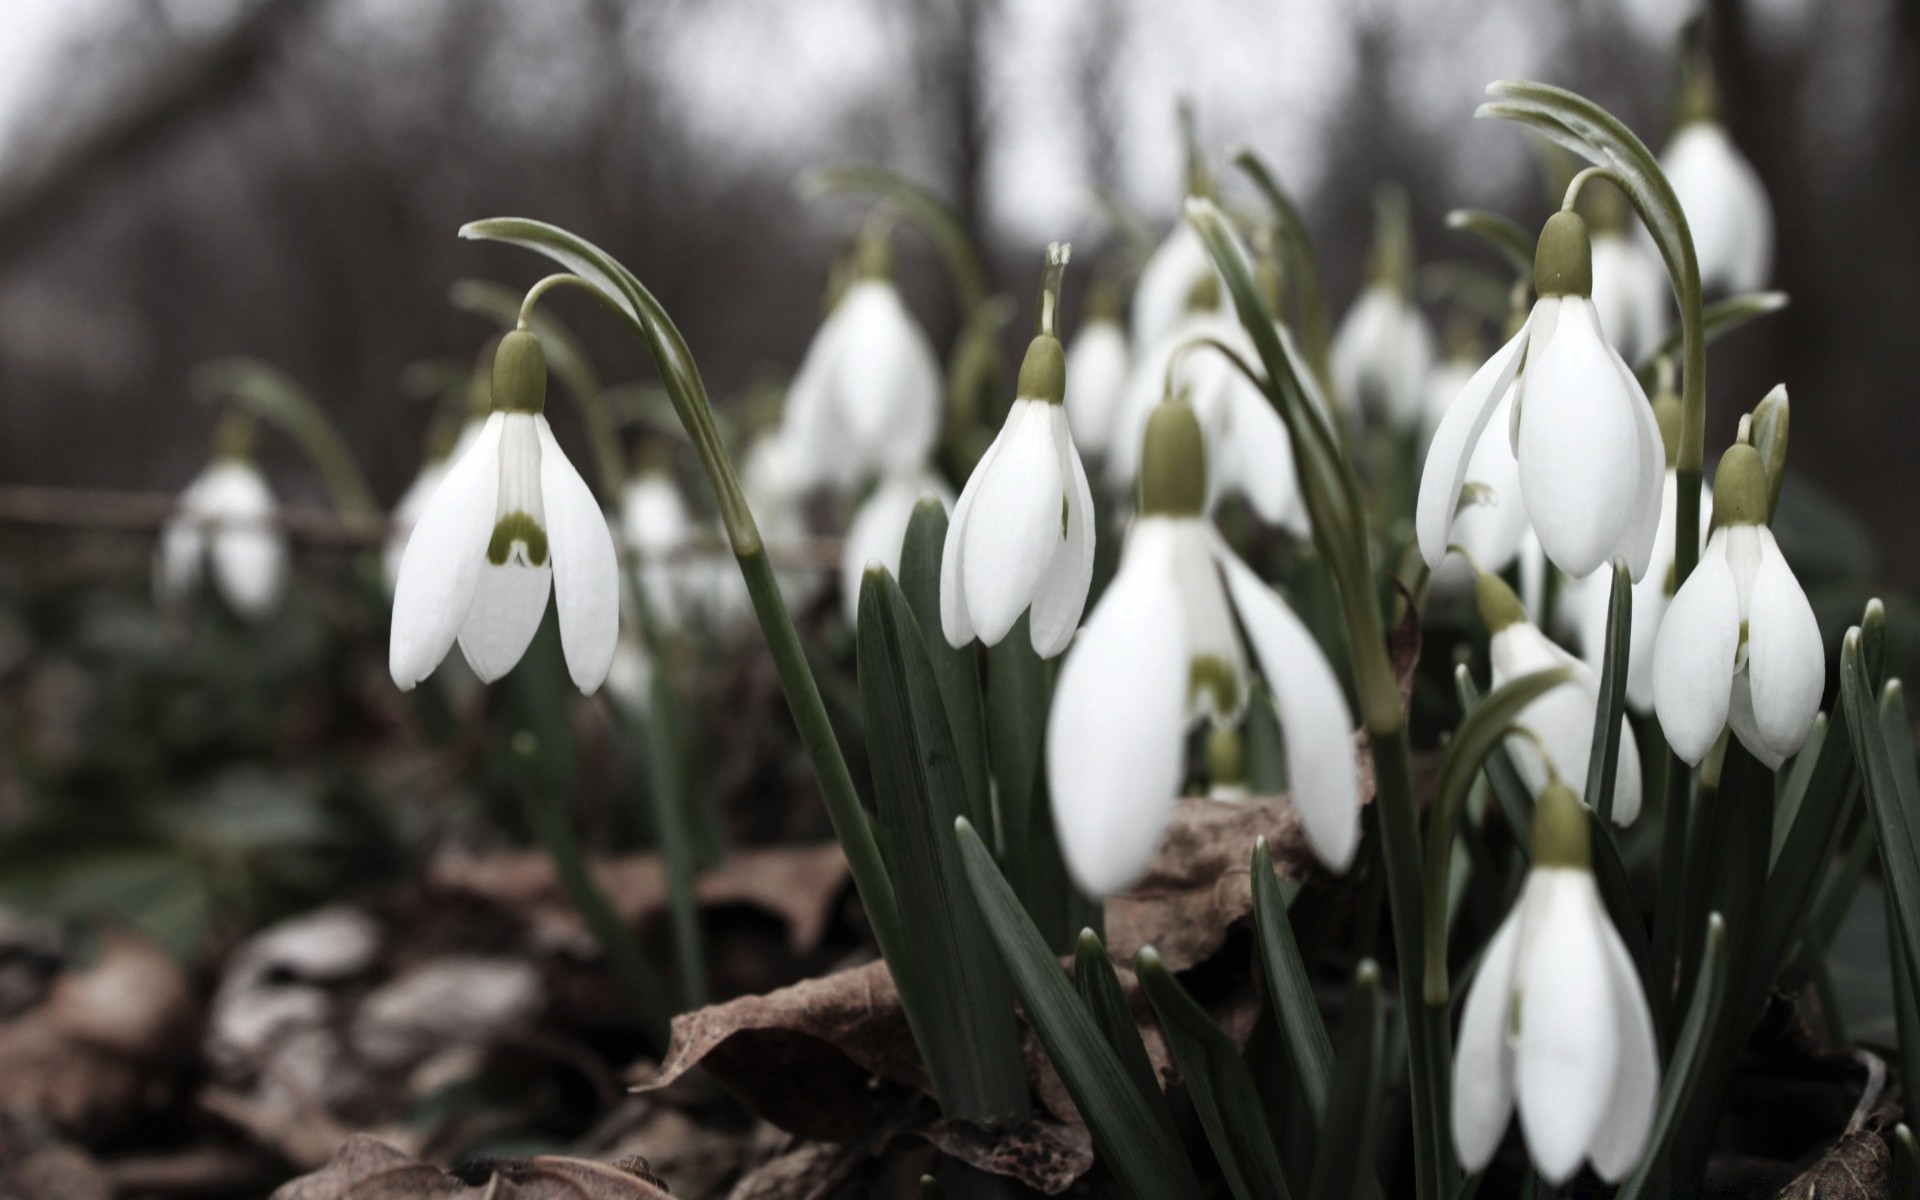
(879,529)
(1098,360)
(225,526)
(656,527)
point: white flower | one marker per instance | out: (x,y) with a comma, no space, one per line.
(1022,533)
(879,530)
(1629,293)
(630,677)
(1160,652)
(225,519)
(1166,281)
(1561,719)
(1583,435)
(1381,355)
(656,527)
(1445,381)
(867,397)
(1248,449)
(511,519)
(1097,364)
(773,483)
(1739,645)
(1556,1021)
(1725,204)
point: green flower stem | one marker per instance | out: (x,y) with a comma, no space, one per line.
(551,828)
(271,395)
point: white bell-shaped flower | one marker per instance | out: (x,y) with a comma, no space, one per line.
(1382,353)
(1161,651)
(1167,279)
(1555,1022)
(511,520)
(1022,532)
(225,521)
(1558,725)
(1726,206)
(878,532)
(1583,435)
(1097,366)
(1249,452)
(659,531)
(867,396)
(1739,645)
(1629,293)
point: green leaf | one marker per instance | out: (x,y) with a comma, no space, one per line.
(1616,892)
(1516,803)
(1501,232)
(957,670)
(1099,988)
(1301,272)
(1018,692)
(1343,1164)
(1770,422)
(1684,1070)
(1145,1160)
(1481,732)
(967,1032)
(1716,319)
(1604,758)
(1288,988)
(1219,1084)
(930,214)
(1819,790)
(1884,753)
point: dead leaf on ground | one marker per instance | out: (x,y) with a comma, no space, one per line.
(1045,1155)
(368,1169)
(1857,1168)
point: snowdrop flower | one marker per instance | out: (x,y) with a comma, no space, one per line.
(879,530)
(225,521)
(1724,201)
(1555,1022)
(1584,439)
(1629,293)
(1097,364)
(413,501)
(1167,279)
(1162,651)
(867,396)
(1446,380)
(1558,725)
(1382,353)
(658,530)
(1739,645)
(1249,452)
(511,519)
(1022,533)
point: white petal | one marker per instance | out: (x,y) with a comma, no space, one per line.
(1166,282)
(1643,527)
(1453,442)
(1636,1082)
(1580,445)
(1726,207)
(1097,364)
(878,531)
(1250,453)
(1693,656)
(1740,719)
(1483,1058)
(955,621)
(1115,733)
(885,381)
(1014,530)
(1494,527)
(1212,636)
(1786,662)
(248,553)
(586,569)
(440,568)
(508,602)
(1315,724)
(177,561)
(406,513)
(1062,594)
(1568,1049)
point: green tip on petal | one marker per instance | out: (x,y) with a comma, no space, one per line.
(1563,259)
(517,527)
(1173,463)
(1560,831)
(1043,372)
(1740,488)
(520,374)
(1499,607)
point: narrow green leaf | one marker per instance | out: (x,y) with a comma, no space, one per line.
(1288,988)
(1485,726)
(957,670)
(1716,319)
(1604,758)
(1302,274)
(1684,1069)
(1771,418)
(1099,988)
(1889,787)
(1616,892)
(1822,794)
(1017,694)
(967,1034)
(1218,1083)
(1509,790)
(1343,1164)
(1501,232)
(1145,1160)
(1906,1164)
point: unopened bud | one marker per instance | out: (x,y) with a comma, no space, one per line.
(1740,488)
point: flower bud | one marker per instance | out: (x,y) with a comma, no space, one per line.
(1499,607)
(1740,487)
(1173,463)
(1563,259)
(1043,372)
(1560,834)
(520,374)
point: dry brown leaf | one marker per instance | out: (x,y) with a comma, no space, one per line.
(1045,1155)
(800,885)
(368,1169)
(1857,1168)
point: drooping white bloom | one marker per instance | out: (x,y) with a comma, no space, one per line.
(1167,279)
(1381,355)
(1097,364)
(225,521)
(511,520)
(1629,293)
(1726,207)
(1445,381)
(657,528)
(1162,651)
(1555,1022)
(1739,646)
(1561,719)
(879,530)
(1022,533)
(867,397)
(1583,435)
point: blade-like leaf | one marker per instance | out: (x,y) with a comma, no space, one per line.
(1302,274)
(956,670)
(1516,803)
(1288,988)
(1684,1069)
(1017,696)
(1218,1083)
(1343,1163)
(1145,1160)
(1099,988)
(1604,758)
(1501,232)
(1889,787)
(1716,319)
(967,1034)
